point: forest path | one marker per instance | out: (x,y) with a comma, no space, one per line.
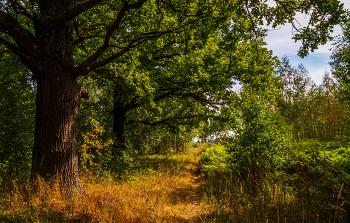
(195,198)
(175,195)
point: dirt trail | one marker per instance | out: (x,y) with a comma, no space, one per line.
(175,197)
(195,198)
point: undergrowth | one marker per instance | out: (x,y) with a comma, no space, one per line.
(311,184)
(157,192)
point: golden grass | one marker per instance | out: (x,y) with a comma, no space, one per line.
(165,194)
(173,191)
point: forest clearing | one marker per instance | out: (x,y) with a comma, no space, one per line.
(175,111)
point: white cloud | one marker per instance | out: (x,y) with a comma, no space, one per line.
(281,43)
(317,75)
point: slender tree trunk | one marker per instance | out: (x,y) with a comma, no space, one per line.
(119,124)
(55,145)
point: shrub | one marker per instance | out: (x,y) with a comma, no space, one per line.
(259,136)
(215,159)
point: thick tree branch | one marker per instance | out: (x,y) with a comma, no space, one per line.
(23,38)
(109,33)
(82,38)
(149,123)
(91,64)
(71,14)
(164,121)
(175,10)
(109,59)
(19,9)
(163,96)
(10,46)
(137,41)
(24,58)
(166,56)
(133,104)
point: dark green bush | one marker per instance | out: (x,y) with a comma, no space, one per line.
(259,136)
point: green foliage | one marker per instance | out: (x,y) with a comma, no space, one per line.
(194,66)
(173,64)
(259,135)
(92,146)
(215,159)
(318,33)
(159,139)
(340,59)
(331,160)
(17,104)
(213,129)
(259,178)
(311,111)
(97,156)
(310,184)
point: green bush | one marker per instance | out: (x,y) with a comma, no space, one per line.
(259,136)
(215,159)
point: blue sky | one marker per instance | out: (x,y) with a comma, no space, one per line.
(281,43)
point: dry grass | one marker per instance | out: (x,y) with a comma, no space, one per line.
(165,194)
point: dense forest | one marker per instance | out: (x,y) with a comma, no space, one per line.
(171,111)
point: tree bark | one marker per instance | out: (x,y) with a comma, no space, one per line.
(55,146)
(57,101)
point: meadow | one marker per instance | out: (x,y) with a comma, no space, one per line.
(199,185)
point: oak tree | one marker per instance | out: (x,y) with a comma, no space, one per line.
(58,41)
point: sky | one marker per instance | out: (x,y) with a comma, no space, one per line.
(281,43)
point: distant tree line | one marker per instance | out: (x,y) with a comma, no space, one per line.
(313,112)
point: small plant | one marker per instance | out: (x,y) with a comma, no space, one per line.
(92,146)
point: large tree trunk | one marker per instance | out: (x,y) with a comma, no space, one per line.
(57,101)
(55,145)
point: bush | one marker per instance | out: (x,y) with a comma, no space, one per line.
(215,159)
(259,137)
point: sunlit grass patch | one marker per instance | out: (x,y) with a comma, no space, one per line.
(161,194)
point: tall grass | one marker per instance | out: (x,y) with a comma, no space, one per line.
(308,190)
(229,199)
(160,194)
